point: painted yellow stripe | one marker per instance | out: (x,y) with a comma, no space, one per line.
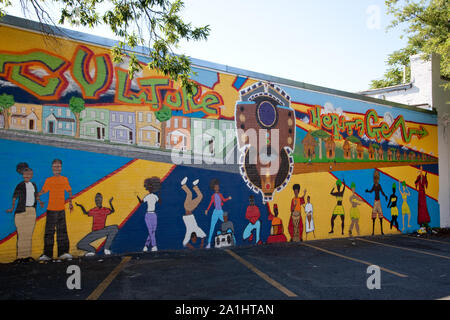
(105,283)
(409,237)
(403,248)
(264,276)
(355,260)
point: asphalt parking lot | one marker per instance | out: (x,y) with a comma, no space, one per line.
(410,268)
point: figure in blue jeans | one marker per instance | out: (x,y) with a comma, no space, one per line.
(218,200)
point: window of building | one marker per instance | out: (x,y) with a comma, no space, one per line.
(184,123)
(102,115)
(13,109)
(22,121)
(130,119)
(92,130)
(149,135)
(83,113)
(168,123)
(67,126)
(121,118)
(175,123)
(113,117)
(23,110)
(149,117)
(59,112)
(140,116)
(60,125)
(68,112)
(92,114)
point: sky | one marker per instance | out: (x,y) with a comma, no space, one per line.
(336,44)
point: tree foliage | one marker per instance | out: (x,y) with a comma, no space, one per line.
(156,24)
(76,104)
(427,29)
(6,101)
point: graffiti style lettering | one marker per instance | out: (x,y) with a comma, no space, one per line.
(21,69)
(368,126)
(91,87)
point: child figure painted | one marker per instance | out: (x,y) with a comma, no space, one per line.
(218,200)
(152,185)
(309,219)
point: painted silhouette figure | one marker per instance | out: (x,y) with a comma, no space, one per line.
(295,222)
(152,185)
(377,211)
(189,220)
(423,217)
(276,231)
(55,222)
(99,230)
(218,200)
(393,205)
(339,208)
(26,192)
(405,207)
(355,201)
(252,215)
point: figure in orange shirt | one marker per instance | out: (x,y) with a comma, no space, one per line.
(276,232)
(56,214)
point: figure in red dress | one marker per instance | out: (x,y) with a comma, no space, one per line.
(423,218)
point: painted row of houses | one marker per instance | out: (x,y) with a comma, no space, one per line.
(138,127)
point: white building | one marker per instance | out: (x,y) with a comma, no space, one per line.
(425,91)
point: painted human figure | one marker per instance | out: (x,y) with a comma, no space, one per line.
(194,243)
(377,210)
(309,218)
(393,205)
(227,227)
(55,222)
(423,217)
(218,200)
(252,215)
(339,208)
(152,185)
(276,231)
(355,201)
(99,214)
(406,211)
(189,220)
(26,192)
(295,222)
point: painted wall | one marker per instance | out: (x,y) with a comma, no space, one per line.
(272,125)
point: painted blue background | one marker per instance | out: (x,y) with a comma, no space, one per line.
(80,167)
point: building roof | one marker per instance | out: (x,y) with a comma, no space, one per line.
(403,86)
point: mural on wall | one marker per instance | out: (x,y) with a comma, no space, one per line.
(266,136)
(296,148)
